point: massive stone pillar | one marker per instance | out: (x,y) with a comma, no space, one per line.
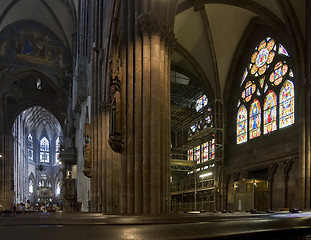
(146,41)
(130,117)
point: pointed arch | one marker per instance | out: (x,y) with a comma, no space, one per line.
(30,147)
(241,125)
(286,107)
(254,119)
(270,113)
(44,150)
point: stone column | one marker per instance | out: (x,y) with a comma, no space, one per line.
(145,161)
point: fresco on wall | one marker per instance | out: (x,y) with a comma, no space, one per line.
(32,43)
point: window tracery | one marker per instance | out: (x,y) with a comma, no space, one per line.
(267,79)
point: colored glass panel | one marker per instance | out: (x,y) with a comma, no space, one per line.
(242,125)
(244,76)
(254,120)
(254,69)
(250,88)
(270,113)
(276,77)
(262,44)
(266,87)
(204,152)
(271,57)
(190,155)
(262,81)
(262,57)
(197,154)
(282,50)
(212,149)
(262,69)
(254,57)
(201,102)
(286,110)
(270,44)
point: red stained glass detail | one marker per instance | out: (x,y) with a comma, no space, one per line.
(262,44)
(271,57)
(254,56)
(254,69)
(262,70)
(270,44)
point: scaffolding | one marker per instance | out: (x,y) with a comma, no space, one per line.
(195,185)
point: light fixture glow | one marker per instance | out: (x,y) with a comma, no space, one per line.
(206,174)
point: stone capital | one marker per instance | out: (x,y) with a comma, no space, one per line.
(152,24)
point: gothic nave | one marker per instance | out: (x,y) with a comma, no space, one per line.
(155,108)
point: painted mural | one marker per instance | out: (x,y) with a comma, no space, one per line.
(33,43)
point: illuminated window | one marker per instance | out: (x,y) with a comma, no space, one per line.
(57,189)
(57,146)
(212,149)
(267,77)
(254,119)
(30,185)
(197,154)
(242,125)
(44,150)
(204,152)
(30,147)
(190,155)
(286,109)
(200,103)
(269,113)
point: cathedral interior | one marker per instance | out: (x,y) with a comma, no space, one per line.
(155,107)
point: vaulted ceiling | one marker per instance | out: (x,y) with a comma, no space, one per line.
(209,32)
(56,15)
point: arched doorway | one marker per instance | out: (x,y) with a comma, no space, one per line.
(37,136)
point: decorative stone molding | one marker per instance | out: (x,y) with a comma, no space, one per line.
(168,35)
(151,24)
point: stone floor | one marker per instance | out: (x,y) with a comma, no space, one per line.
(87,226)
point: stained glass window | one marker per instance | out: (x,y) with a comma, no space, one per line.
(212,149)
(30,147)
(205,152)
(254,120)
(270,112)
(200,103)
(57,145)
(197,154)
(286,110)
(190,155)
(44,150)
(262,57)
(280,69)
(30,185)
(242,125)
(268,77)
(57,189)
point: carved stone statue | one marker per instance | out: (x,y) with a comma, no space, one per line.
(87,150)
